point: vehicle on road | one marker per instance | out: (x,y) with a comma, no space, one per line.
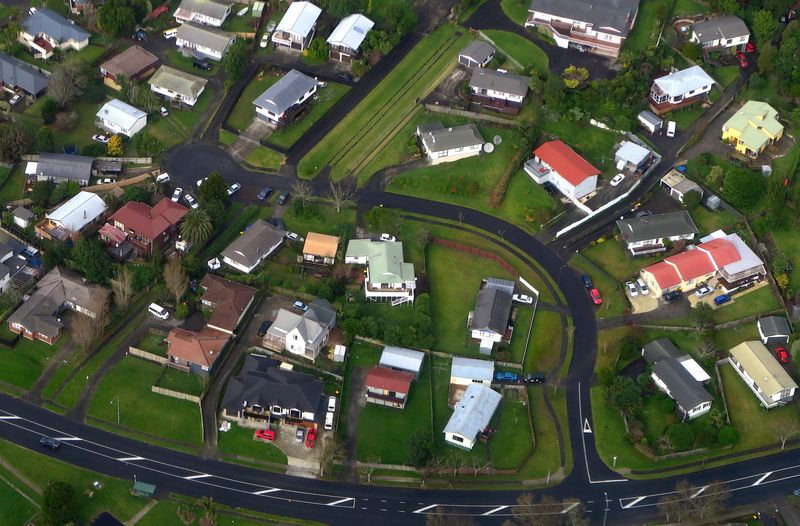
(617,179)
(535,378)
(232,189)
(722,299)
(782,355)
(299,435)
(388,237)
(263,328)
(311,438)
(299,305)
(176,195)
(282,198)
(265,434)
(158,311)
(632,290)
(587,281)
(743,62)
(642,287)
(192,201)
(671,127)
(597,299)
(705,290)
(263,194)
(50,443)
(506,377)
(671,295)
(522,298)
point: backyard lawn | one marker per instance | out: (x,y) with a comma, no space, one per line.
(648,25)
(322,218)
(16,509)
(608,343)
(520,49)
(708,221)
(328,96)
(244,111)
(179,124)
(13,183)
(128,384)
(516,10)
(180,381)
(689,7)
(81,134)
(594,144)
(178,61)
(22,364)
(263,157)
(240,441)
(787,242)
(513,442)
(685,117)
(611,256)
(545,347)
(759,301)
(153,343)
(725,75)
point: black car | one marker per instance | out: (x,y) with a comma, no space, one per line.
(587,281)
(50,443)
(201,64)
(278,223)
(263,194)
(347,77)
(264,327)
(282,198)
(535,378)
(550,188)
(672,295)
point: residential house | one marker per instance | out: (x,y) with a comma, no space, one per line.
(774,329)
(14,266)
(498,90)
(121,118)
(263,393)
(723,257)
(320,249)
(60,167)
(147,227)
(680,377)
(71,219)
(17,76)
(631,156)
(348,36)
(196,351)
(45,31)
(477,54)
(177,86)
(599,26)
(471,416)
(490,320)
(203,42)
(443,145)
(228,300)
(282,101)
(680,89)
(206,12)
(388,387)
(39,317)
(255,245)
(678,185)
(753,128)
(116,242)
(646,235)
(389,277)
(465,372)
(22,216)
(296,28)
(650,121)
(556,163)
(724,33)
(135,63)
(401,359)
(300,334)
(760,370)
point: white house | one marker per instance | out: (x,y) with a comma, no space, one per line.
(760,370)
(489,321)
(646,235)
(498,90)
(203,42)
(477,54)
(466,371)
(70,219)
(631,156)
(443,145)
(389,277)
(296,28)
(116,116)
(556,163)
(301,335)
(726,32)
(206,12)
(177,86)
(679,89)
(471,416)
(284,99)
(348,36)
(45,31)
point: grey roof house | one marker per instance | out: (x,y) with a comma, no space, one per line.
(498,90)
(471,416)
(60,167)
(45,31)
(680,377)
(646,235)
(678,185)
(285,99)
(477,54)
(442,144)
(724,32)
(18,75)
(489,321)
(321,311)
(254,246)
(401,359)
(774,329)
(203,41)
(300,334)
(22,216)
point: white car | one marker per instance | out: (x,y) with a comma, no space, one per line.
(176,195)
(158,311)
(162,178)
(15,99)
(617,179)
(100,138)
(264,39)
(201,181)
(387,237)
(214,264)
(232,189)
(671,125)
(32,10)
(522,298)
(164,112)
(705,290)
(632,289)
(192,201)
(293,236)
(642,287)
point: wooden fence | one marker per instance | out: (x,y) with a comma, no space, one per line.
(469,114)
(476,251)
(147,355)
(134,160)
(175,394)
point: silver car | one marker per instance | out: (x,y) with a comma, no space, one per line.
(300,435)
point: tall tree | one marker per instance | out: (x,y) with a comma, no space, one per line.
(175,278)
(59,504)
(301,192)
(784,430)
(115,147)
(85,329)
(341,196)
(122,285)
(765,25)
(332,452)
(185,513)
(68,81)
(119,17)
(90,258)
(196,226)
(236,59)
(44,139)
(214,188)
(14,142)
(41,192)
(206,505)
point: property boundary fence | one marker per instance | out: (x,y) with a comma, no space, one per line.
(436,108)
(476,251)
(175,394)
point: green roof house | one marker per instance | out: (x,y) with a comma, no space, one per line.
(389,277)
(751,129)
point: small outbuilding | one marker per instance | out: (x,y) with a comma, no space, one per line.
(650,121)
(774,329)
(401,359)
(477,54)
(630,155)
(22,216)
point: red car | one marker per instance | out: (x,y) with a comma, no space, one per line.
(265,434)
(750,47)
(743,62)
(782,355)
(595,294)
(311,438)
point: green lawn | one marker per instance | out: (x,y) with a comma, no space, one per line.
(608,354)
(263,157)
(328,96)
(360,354)
(322,218)
(648,25)
(240,24)
(788,242)
(81,134)
(182,382)
(729,338)
(614,302)
(232,227)
(521,324)
(90,53)
(178,126)
(614,258)
(725,75)
(512,443)
(128,384)
(16,509)
(546,458)
(178,61)
(375,421)
(520,49)
(689,7)
(22,364)
(165,513)
(708,221)
(240,441)
(350,146)
(685,117)
(226,138)
(516,10)
(244,111)
(758,301)
(592,143)
(545,347)
(13,186)
(153,343)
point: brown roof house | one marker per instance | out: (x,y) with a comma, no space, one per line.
(145,226)
(229,301)
(320,249)
(196,351)
(388,387)
(135,63)
(39,318)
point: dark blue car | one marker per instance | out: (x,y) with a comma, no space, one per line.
(587,281)
(722,298)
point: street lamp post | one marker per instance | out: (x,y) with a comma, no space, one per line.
(614,464)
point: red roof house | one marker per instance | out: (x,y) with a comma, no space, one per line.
(148,226)
(722,251)
(196,350)
(228,299)
(664,274)
(569,172)
(388,387)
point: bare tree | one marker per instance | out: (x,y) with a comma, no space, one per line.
(85,328)
(456,460)
(443,517)
(341,196)
(185,513)
(332,452)
(546,512)
(209,517)
(68,81)
(122,286)
(694,503)
(175,278)
(369,466)
(477,464)
(301,191)
(784,430)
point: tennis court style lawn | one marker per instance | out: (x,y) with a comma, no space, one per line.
(350,147)
(520,49)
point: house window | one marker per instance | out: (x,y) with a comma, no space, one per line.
(458,438)
(276,409)
(294,413)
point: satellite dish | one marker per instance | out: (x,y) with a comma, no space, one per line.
(497,139)
(488,147)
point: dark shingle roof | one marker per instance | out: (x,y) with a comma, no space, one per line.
(614,14)
(683,388)
(660,349)
(723,27)
(493,306)
(53,25)
(774,326)
(499,81)
(478,50)
(60,165)
(284,94)
(657,226)
(14,72)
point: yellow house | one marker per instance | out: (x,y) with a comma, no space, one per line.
(751,129)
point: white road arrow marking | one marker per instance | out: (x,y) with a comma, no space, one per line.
(764,476)
(586,427)
(632,503)
(490,512)
(340,501)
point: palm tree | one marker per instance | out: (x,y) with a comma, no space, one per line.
(196,226)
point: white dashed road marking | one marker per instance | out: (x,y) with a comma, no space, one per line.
(195,477)
(633,502)
(265,491)
(340,501)
(130,459)
(762,478)
(499,508)
(426,508)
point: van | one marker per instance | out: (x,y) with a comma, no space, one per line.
(671,129)
(171,33)
(332,404)
(158,311)
(328,421)
(163,178)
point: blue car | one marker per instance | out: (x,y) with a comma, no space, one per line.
(587,281)
(722,298)
(506,376)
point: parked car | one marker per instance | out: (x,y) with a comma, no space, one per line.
(171,33)
(722,299)
(671,127)
(332,404)
(596,298)
(642,287)
(163,111)
(214,264)
(263,328)
(201,64)
(176,195)
(672,295)
(162,178)
(32,10)
(742,58)
(100,138)
(750,47)
(705,290)
(643,213)
(299,435)
(232,189)
(71,149)
(264,39)
(632,290)
(282,198)
(192,201)
(293,236)
(522,298)
(15,99)
(311,438)
(506,376)
(782,355)
(263,194)
(200,182)
(299,305)
(387,237)
(617,179)
(587,281)
(277,222)
(328,421)
(265,434)
(347,77)
(535,378)
(158,311)
(50,443)
(550,188)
